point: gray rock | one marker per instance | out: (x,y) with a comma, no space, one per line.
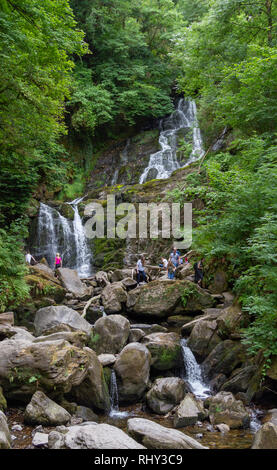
(165,350)
(155,436)
(223,428)
(5,436)
(111,334)
(42,410)
(189,411)
(40,440)
(92,436)
(79,338)
(113,297)
(48,317)
(203,339)
(72,282)
(86,414)
(165,394)
(132,368)
(224,408)
(135,335)
(266,437)
(107,359)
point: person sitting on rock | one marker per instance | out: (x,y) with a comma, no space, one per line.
(198,272)
(141,276)
(163,263)
(171,268)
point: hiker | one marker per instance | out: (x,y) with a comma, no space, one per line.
(175,257)
(29,258)
(184,259)
(141,276)
(163,263)
(58,262)
(198,272)
(171,268)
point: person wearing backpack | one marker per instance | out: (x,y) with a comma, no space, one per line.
(198,272)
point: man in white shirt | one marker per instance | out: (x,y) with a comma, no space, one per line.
(141,276)
(29,258)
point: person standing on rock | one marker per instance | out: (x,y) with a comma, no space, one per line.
(175,257)
(141,276)
(29,258)
(171,270)
(58,262)
(198,272)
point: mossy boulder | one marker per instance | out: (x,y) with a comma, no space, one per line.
(44,288)
(224,358)
(3,401)
(165,350)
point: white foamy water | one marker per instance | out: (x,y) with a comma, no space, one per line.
(193,374)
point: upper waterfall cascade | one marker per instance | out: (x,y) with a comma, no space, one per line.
(164,162)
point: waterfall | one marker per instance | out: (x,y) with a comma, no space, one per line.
(55,234)
(164,162)
(192,373)
(114,409)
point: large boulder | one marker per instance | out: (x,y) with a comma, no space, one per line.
(120,274)
(272,370)
(48,318)
(78,338)
(240,379)
(203,339)
(92,391)
(113,297)
(42,270)
(165,350)
(189,411)
(102,279)
(5,436)
(54,367)
(266,437)
(230,321)
(110,334)
(72,282)
(132,368)
(165,394)
(224,408)
(224,358)
(219,283)
(42,410)
(161,298)
(92,436)
(154,436)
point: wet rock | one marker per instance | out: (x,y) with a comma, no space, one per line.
(224,408)
(40,440)
(224,358)
(209,315)
(266,437)
(178,320)
(132,368)
(5,436)
(17,427)
(203,339)
(110,334)
(49,317)
(230,321)
(165,394)
(136,334)
(223,428)
(107,359)
(165,350)
(92,391)
(189,411)
(72,282)
(113,297)
(239,381)
(217,382)
(92,436)
(86,414)
(42,410)
(154,436)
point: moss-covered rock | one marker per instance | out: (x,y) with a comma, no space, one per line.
(165,350)
(3,401)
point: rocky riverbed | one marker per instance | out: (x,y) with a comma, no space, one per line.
(116,365)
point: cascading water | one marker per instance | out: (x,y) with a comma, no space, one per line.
(164,162)
(192,373)
(114,409)
(55,234)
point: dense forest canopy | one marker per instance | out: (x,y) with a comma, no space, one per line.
(93,67)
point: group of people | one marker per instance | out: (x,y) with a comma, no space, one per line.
(32,261)
(170,265)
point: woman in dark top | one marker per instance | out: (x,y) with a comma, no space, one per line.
(198,272)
